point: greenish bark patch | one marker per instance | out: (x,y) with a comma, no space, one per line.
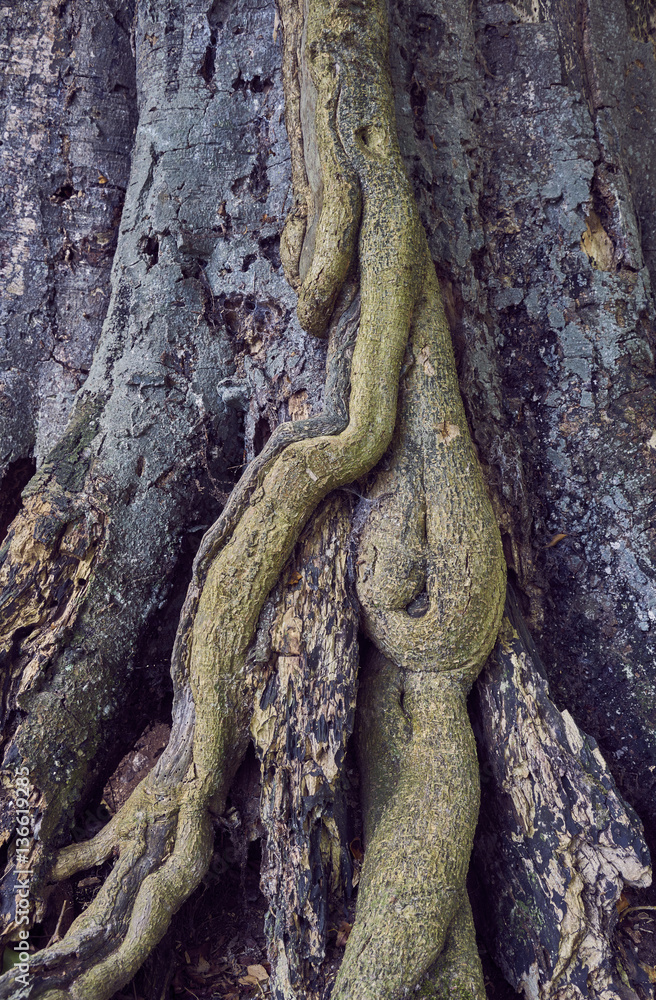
(68,462)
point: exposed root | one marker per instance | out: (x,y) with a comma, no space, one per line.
(421,787)
(162,858)
(160,864)
(431,583)
(457,974)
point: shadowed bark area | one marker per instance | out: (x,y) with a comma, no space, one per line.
(303,718)
(556,844)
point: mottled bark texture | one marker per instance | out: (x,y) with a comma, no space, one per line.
(570,287)
(519,129)
(542,237)
(303,718)
(68,118)
(89,564)
(527,131)
(556,843)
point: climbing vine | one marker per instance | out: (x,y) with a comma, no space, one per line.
(430,569)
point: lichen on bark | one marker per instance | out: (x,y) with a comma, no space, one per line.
(431,584)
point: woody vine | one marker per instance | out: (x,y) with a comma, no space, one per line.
(430,571)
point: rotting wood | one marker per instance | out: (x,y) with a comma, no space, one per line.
(556,843)
(303,718)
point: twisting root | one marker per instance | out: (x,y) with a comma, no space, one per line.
(164,832)
(431,581)
(431,584)
(415,904)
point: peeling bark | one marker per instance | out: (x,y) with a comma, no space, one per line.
(556,843)
(303,718)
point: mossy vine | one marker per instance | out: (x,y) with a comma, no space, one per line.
(355,219)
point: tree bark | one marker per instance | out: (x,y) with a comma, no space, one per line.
(569,285)
(68,118)
(518,129)
(556,844)
(301,725)
(153,438)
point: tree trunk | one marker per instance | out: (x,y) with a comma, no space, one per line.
(527,133)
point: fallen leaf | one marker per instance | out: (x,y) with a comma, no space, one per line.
(622,904)
(248,980)
(343,932)
(554,541)
(356,849)
(650,970)
(258,971)
(294,579)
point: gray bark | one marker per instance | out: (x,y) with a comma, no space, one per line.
(155,437)
(572,295)
(519,128)
(68,119)
(529,136)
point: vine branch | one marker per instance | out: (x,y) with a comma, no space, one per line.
(355,221)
